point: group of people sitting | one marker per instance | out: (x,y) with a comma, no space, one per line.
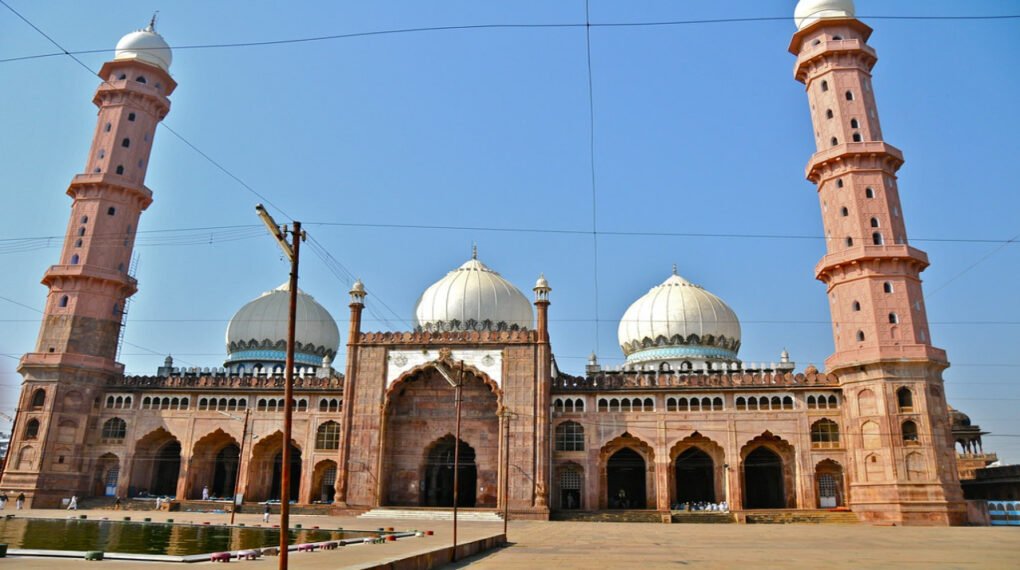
(702,506)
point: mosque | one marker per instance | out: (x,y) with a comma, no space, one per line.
(684,420)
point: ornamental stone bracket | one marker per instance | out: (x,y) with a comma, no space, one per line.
(488,361)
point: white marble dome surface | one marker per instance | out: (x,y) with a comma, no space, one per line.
(147,46)
(472,297)
(808,12)
(258,331)
(679,320)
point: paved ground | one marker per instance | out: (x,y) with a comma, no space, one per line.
(565,545)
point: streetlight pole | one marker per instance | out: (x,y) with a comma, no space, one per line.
(240,458)
(292,251)
(506,415)
(456,458)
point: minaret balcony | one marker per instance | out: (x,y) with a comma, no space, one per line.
(864,254)
(808,58)
(69,361)
(100,185)
(868,155)
(118,280)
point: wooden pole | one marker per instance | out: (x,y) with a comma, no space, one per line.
(288,397)
(506,470)
(456,459)
(240,457)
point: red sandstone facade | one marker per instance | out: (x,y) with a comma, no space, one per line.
(871,433)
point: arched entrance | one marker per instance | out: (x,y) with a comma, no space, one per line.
(323,482)
(695,477)
(625,480)
(295,475)
(225,471)
(107,475)
(829,484)
(570,480)
(156,466)
(763,480)
(437,483)
(420,418)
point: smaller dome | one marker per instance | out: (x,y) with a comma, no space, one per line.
(542,283)
(958,418)
(146,46)
(358,287)
(810,11)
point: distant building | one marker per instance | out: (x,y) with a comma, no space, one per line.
(685,420)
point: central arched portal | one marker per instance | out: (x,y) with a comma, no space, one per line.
(225,471)
(695,477)
(295,475)
(763,480)
(625,478)
(437,486)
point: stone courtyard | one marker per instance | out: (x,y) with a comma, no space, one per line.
(563,545)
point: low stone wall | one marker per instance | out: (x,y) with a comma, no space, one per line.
(440,556)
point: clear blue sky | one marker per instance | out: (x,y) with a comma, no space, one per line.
(699,129)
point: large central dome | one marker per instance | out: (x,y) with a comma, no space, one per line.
(472,297)
(679,321)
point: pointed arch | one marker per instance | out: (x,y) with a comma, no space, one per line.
(696,470)
(214,463)
(768,470)
(626,463)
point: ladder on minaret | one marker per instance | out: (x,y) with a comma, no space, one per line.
(132,270)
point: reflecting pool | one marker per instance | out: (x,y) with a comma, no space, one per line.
(152,537)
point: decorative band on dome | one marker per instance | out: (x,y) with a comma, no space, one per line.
(468,325)
(682,352)
(720,342)
(237,347)
(272,356)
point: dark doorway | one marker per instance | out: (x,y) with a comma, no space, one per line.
(295,475)
(763,480)
(570,489)
(625,478)
(695,477)
(166,469)
(225,471)
(437,490)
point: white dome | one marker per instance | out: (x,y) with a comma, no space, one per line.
(472,297)
(679,320)
(147,46)
(258,332)
(810,11)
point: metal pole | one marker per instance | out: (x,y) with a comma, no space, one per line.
(288,404)
(506,470)
(240,457)
(456,460)
(14,431)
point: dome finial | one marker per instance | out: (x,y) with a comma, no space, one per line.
(152,22)
(474,250)
(674,269)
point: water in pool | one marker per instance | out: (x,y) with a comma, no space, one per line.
(150,538)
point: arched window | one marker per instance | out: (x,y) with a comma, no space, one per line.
(81,232)
(682,405)
(111,211)
(139,79)
(131,117)
(856,137)
(833,402)
(869,193)
(874,222)
(834,141)
(887,287)
(844,211)
(828,113)
(825,85)
(569,437)
(63,301)
(106,128)
(905,399)
(114,430)
(328,436)
(787,403)
(649,405)
(741,403)
(78,243)
(776,403)
(824,434)
(893,318)
(603,405)
(811,402)
(910,432)
(126,143)
(74,259)
(85,219)
(324,404)
(120,169)
(849,95)
(32,429)
(670,404)
(857,305)
(876,238)
(839,183)
(717,404)
(849,241)
(860,336)
(854,124)
(579,405)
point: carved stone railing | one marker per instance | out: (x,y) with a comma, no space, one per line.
(629,380)
(520,336)
(200,382)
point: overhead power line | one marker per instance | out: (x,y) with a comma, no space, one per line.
(469,27)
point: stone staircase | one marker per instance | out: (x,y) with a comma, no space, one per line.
(629,516)
(793,516)
(432,514)
(703,517)
(107,503)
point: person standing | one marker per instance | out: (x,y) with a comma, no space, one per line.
(159,503)
(21,501)
(116,503)
(205,493)
(265,513)
(3,500)
(72,505)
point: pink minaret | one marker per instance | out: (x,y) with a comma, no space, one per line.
(77,345)
(903,469)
